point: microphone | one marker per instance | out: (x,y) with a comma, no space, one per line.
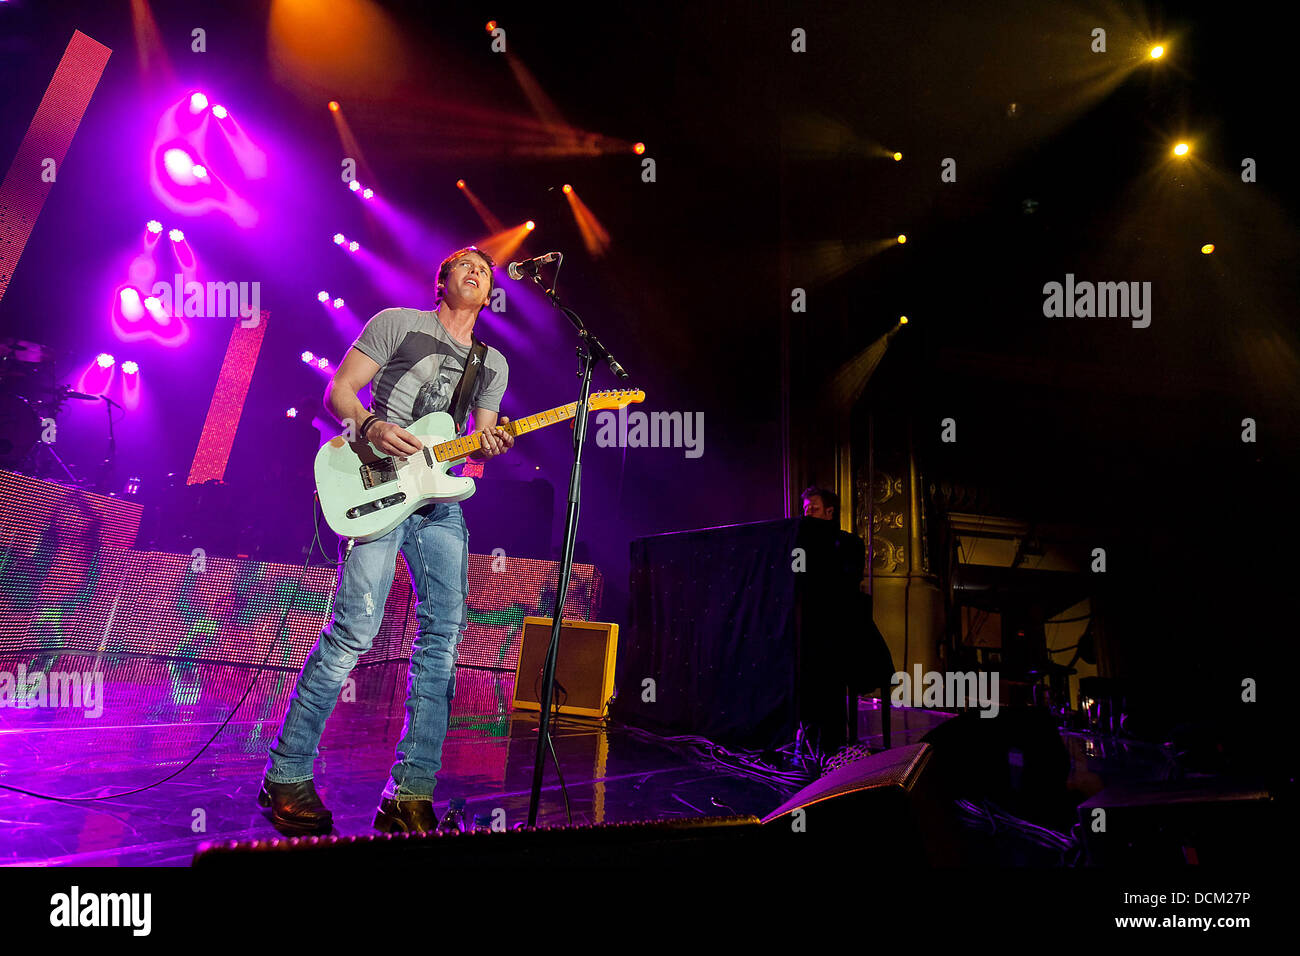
(517,270)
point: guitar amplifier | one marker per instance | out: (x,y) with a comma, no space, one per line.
(584,668)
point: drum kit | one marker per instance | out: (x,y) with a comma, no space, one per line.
(30,401)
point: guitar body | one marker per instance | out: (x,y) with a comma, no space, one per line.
(365,493)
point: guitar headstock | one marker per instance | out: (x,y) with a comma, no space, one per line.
(615,398)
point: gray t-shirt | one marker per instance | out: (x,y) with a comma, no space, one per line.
(420,365)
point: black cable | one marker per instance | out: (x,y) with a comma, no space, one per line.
(260,667)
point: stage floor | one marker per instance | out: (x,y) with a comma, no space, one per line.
(155,716)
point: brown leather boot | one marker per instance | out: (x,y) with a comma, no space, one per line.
(408,816)
(295,808)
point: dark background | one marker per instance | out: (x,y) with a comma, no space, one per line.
(771,175)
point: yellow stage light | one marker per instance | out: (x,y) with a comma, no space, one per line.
(898,157)
(1207,248)
(902,238)
(1181,149)
(1157,52)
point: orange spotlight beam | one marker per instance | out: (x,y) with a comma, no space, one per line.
(155,67)
(351,148)
(489,220)
(503,244)
(594,235)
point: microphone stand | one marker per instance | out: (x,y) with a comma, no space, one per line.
(588,351)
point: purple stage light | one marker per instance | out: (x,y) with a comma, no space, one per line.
(338,303)
(176,235)
(353,246)
(104,360)
(354,185)
(200,172)
(323,363)
(219,111)
(198,103)
(339,238)
(180,166)
(368,193)
(154,226)
(291,413)
(132,308)
(308,357)
(155,307)
(322,296)
(130,367)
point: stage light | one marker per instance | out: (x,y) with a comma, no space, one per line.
(308,357)
(154,226)
(155,307)
(354,185)
(199,172)
(179,165)
(902,320)
(129,304)
(219,111)
(460,184)
(1207,248)
(291,413)
(339,238)
(367,193)
(130,367)
(898,157)
(902,238)
(198,103)
(176,235)
(338,303)
(491,25)
(353,246)
(530,225)
(104,360)
(567,189)
(1157,52)
(322,296)
(1181,149)
(639,148)
(334,106)
(323,363)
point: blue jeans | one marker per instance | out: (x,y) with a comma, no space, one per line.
(436,546)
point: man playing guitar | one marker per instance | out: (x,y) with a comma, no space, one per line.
(413,360)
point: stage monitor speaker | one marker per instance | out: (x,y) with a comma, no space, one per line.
(884,806)
(584,668)
(1213,822)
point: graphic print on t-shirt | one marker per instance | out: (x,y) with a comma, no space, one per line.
(420,366)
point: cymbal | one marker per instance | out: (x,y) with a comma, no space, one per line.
(20,350)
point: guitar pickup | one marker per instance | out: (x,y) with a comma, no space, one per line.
(378,504)
(378,473)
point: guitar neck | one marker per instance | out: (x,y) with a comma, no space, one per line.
(468,444)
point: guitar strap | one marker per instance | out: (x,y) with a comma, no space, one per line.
(460,398)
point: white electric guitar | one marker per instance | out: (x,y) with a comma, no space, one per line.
(366,493)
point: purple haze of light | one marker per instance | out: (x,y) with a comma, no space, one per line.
(180,132)
(346,324)
(250,157)
(133,320)
(95,379)
(397,287)
(131,392)
(185,259)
